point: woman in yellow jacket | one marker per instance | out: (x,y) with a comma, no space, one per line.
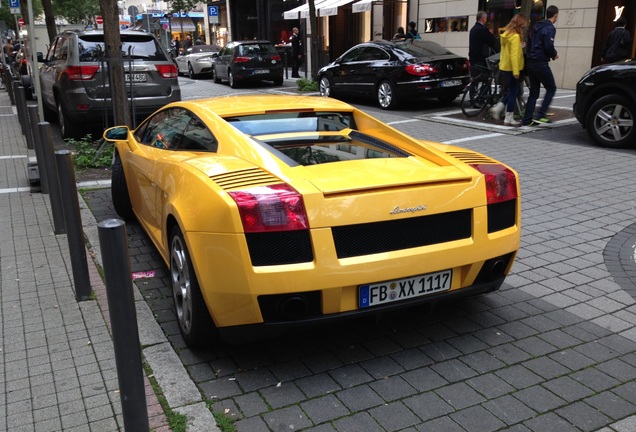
(510,67)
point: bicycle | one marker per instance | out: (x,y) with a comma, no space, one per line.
(485,90)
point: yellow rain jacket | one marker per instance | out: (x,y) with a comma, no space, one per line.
(511,59)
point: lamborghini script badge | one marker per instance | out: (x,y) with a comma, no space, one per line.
(398,210)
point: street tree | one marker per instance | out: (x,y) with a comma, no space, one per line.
(78,11)
(313,24)
(182,7)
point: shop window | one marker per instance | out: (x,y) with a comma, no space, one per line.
(446,24)
(500,12)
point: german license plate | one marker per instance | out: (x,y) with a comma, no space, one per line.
(451,83)
(402,289)
(261,71)
(135,77)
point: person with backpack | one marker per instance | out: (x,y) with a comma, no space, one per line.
(618,44)
(412,33)
(540,50)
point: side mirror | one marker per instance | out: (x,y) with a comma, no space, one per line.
(117,133)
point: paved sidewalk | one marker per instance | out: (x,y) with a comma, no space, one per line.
(57,365)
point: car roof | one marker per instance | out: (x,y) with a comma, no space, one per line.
(101,32)
(257,104)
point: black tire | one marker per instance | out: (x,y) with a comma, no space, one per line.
(386,95)
(191,73)
(610,122)
(325,86)
(193,317)
(230,78)
(215,76)
(119,191)
(67,128)
(480,91)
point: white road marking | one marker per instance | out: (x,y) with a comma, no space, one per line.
(477,137)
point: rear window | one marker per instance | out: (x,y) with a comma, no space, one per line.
(423,49)
(91,48)
(256,48)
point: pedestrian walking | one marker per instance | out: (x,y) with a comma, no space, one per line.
(481,44)
(538,55)
(618,45)
(511,64)
(296,52)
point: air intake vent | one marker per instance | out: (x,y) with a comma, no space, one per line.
(472,158)
(245,179)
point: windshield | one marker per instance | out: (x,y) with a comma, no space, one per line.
(91,48)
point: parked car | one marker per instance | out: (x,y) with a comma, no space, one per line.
(244,61)
(264,210)
(76,87)
(396,71)
(606,104)
(196,60)
(24,72)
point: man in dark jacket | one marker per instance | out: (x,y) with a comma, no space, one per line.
(618,45)
(296,52)
(481,44)
(539,51)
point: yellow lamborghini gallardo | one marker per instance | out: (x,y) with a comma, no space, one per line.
(279,211)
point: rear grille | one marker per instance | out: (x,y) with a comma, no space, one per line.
(278,248)
(471,157)
(378,237)
(244,179)
(502,215)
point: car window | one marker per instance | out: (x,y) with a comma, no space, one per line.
(61,48)
(197,137)
(288,122)
(165,129)
(257,48)
(373,53)
(352,55)
(50,55)
(141,46)
(422,49)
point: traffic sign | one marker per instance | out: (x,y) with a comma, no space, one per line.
(21,21)
(213,13)
(14,5)
(99,20)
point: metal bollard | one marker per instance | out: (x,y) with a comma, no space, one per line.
(286,65)
(37,143)
(48,153)
(20,104)
(8,82)
(113,243)
(73,222)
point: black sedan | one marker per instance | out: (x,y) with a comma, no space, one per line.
(396,71)
(606,104)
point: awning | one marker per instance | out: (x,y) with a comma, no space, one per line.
(303,10)
(188,25)
(362,6)
(332,9)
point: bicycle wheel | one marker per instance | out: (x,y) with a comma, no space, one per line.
(476,97)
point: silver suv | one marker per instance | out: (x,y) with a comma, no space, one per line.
(75,85)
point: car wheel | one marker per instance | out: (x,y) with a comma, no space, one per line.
(230,77)
(387,98)
(324,84)
(610,121)
(68,129)
(194,319)
(215,76)
(119,191)
(191,73)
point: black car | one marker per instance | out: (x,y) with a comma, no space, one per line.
(243,61)
(606,104)
(393,71)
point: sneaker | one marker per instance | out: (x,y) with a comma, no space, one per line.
(542,121)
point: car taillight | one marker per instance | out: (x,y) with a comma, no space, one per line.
(466,65)
(421,69)
(501,182)
(81,73)
(271,208)
(241,59)
(277,57)
(167,70)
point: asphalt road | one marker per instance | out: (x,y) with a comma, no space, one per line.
(554,349)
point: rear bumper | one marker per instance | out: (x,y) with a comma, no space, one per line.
(429,89)
(250,75)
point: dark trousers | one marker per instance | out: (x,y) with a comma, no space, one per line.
(296,61)
(539,74)
(513,89)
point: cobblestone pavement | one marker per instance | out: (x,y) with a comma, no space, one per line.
(554,349)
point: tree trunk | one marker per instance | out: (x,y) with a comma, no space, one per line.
(112,41)
(313,23)
(49,19)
